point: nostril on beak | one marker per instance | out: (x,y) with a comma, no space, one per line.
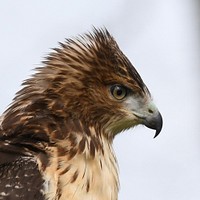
(150,111)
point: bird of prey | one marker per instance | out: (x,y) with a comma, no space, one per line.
(56,137)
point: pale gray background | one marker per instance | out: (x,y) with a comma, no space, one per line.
(161,38)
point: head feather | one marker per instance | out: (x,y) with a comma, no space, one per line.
(73,84)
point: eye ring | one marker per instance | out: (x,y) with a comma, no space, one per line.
(119,92)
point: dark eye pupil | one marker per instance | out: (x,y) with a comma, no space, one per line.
(119,92)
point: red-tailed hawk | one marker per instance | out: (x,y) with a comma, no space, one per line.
(56,137)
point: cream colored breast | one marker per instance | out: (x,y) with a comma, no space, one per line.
(82,178)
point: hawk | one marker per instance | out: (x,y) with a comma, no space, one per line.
(56,137)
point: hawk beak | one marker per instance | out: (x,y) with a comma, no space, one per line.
(154,122)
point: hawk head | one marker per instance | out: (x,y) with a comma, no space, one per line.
(88,79)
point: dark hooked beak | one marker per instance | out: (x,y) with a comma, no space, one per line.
(154,122)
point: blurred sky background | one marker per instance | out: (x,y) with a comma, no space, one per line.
(162,39)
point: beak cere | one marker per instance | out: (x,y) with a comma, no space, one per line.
(154,122)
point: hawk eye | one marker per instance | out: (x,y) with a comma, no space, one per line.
(119,92)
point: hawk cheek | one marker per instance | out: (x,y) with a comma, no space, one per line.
(145,112)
